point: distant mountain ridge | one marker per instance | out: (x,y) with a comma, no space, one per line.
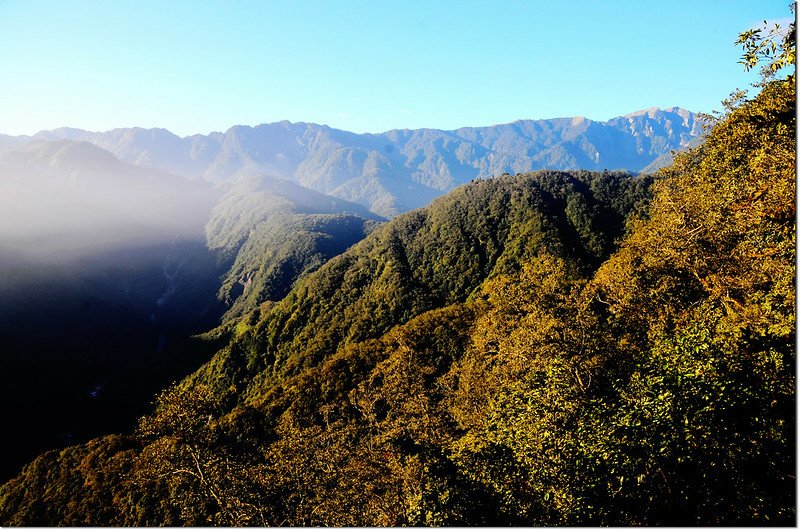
(400,170)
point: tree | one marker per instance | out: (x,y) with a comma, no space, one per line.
(192,463)
(774,46)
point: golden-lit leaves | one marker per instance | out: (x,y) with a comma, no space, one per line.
(413,382)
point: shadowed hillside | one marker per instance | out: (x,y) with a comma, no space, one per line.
(548,348)
(107,268)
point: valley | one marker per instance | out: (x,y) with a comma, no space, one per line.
(544,323)
(324,263)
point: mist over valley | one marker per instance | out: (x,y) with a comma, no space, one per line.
(116,247)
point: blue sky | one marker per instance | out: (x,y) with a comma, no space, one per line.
(198,66)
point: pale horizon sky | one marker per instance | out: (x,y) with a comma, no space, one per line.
(201,66)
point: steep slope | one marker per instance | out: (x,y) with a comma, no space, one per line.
(544,377)
(400,170)
(412,265)
(269,232)
(106,268)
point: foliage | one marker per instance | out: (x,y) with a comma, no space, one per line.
(530,350)
(774,46)
(418,262)
(78,486)
(268,232)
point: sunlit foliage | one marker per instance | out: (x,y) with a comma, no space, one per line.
(544,349)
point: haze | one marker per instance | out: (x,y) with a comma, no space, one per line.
(63,199)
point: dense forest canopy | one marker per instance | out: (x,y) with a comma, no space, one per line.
(550,348)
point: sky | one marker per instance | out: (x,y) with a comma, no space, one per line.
(364,66)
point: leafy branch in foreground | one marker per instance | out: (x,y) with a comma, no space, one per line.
(774,46)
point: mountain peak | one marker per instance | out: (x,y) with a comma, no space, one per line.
(652,112)
(644,112)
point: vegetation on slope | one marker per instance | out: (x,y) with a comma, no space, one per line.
(406,268)
(428,259)
(269,232)
(105,273)
(495,359)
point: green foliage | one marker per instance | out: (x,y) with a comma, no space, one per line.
(277,253)
(268,232)
(526,351)
(775,46)
(705,289)
(434,257)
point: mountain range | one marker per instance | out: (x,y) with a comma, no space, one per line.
(128,241)
(398,170)
(555,347)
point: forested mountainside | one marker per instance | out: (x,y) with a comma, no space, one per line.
(269,232)
(365,291)
(540,349)
(107,268)
(399,170)
(431,258)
